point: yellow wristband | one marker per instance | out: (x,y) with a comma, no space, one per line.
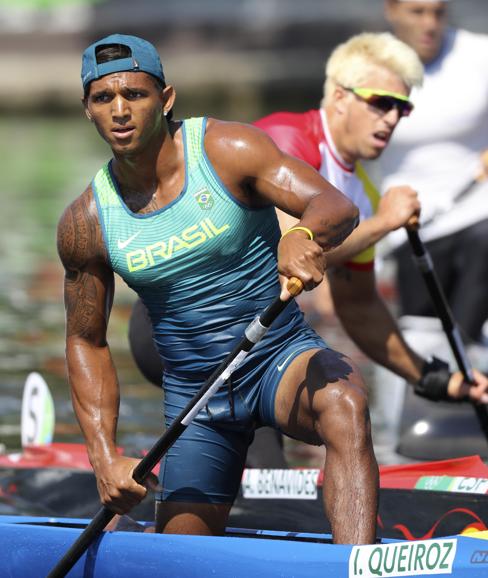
(306,229)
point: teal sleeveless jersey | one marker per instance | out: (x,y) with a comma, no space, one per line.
(204,265)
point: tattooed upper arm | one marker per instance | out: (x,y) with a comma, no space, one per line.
(78,233)
(89,283)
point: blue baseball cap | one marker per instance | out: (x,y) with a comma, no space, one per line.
(143,57)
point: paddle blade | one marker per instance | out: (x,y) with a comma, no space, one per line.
(37,425)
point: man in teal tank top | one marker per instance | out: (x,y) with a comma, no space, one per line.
(366,93)
(185,214)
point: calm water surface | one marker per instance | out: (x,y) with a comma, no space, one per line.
(45,163)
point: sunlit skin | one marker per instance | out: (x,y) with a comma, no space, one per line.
(359,130)
(128,109)
(421,25)
(321,396)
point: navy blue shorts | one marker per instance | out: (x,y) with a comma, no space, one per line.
(206,463)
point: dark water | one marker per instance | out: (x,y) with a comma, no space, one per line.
(45,163)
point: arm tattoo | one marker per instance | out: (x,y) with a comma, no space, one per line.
(337,233)
(79,235)
(88,279)
(80,295)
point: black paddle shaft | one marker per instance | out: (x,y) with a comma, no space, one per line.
(439,301)
(253,334)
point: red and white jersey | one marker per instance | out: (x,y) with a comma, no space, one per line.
(307,137)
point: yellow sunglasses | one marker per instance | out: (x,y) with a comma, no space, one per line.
(383,100)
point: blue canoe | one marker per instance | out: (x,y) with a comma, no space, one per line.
(31,546)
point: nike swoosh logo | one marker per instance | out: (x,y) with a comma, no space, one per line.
(282,365)
(123,244)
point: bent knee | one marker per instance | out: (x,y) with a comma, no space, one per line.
(349,400)
(346,392)
(344,415)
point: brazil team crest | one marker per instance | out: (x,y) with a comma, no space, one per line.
(204,199)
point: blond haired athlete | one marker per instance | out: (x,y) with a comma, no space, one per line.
(366,93)
(368,80)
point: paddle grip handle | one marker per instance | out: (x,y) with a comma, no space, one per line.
(413,224)
(294,286)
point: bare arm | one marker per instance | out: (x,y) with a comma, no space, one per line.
(88,290)
(370,324)
(259,174)
(397,206)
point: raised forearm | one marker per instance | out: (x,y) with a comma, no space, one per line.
(375,332)
(95,397)
(370,324)
(331,217)
(366,234)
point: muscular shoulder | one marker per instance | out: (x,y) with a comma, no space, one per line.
(79,238)
(233,136)
(238,150)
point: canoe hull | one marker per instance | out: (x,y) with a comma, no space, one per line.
(403,513)
(32,546)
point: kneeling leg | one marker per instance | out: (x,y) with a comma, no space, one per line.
(322,399)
